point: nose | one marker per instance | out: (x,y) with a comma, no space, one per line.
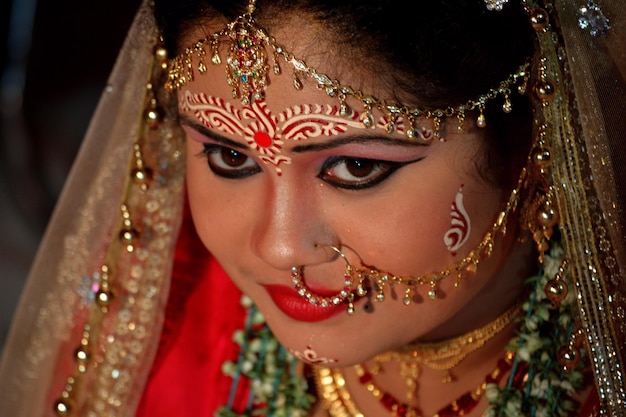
(292,228)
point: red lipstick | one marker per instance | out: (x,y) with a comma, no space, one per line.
(298,308)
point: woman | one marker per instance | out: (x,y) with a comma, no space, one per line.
(436,233)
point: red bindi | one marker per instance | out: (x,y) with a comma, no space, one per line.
(262,139)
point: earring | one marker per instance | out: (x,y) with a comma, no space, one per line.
(540,214)
(570,356)
(556,289)
(346,294)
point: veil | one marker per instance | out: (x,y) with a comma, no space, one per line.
(115,219)
(592,179)
(82,237)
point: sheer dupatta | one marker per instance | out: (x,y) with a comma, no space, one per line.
(591,179)
(91,315)
(89,321)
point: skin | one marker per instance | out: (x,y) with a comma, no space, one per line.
(260,225)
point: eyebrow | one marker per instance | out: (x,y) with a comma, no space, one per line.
(308,147)
(203,130)
(356,138)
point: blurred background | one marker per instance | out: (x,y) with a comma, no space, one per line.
(55,58)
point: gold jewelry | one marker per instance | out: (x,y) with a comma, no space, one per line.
(556,290)
(539,213)
(346,294)
(118,291)
(466,267)
(331,388)
(496,5)
(247,70)
(366,276)
(443,355)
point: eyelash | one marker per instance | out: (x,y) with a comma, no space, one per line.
(209,150)
(381,169)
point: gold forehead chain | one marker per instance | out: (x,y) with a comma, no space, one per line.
(247,70)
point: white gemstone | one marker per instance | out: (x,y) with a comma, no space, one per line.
(299,65)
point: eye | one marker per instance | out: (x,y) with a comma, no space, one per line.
(358,173)
(229,163)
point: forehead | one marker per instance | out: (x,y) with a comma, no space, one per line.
(283,118)
(283,114)
(243,96)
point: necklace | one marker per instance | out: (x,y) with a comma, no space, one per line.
(331,386)
(552,399)
(442,355)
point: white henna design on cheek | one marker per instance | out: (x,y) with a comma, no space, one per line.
(460,227)
(310,356)
(265,132)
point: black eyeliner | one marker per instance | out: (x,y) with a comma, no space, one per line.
(393,166)
(210,148)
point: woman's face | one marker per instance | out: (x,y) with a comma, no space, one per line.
(271,184)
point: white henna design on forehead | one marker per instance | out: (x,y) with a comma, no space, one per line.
(310,356)
(460,227)
(265,132)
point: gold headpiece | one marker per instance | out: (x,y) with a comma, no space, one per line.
(247,70)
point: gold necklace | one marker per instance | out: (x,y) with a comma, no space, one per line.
(338,402)
(443,355)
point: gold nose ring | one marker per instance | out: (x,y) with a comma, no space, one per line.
(344,295)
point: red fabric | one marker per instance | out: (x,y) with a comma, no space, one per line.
(202,313)
(591,407)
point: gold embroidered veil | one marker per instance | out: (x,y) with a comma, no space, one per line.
(86,233)
(91,313)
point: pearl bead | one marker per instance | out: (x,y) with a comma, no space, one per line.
(481,121)
(547,215)
(62,408)
(545,91)
(129,235)
(542,157)
(142,176)
(539,20)
(507,107)
(103,298)
(569,358)
(161,53)
(81,355)
(154,117)
(556,291)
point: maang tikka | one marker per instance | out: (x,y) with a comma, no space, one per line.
(248,66)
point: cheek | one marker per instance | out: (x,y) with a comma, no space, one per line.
(199,195)
(426,229)
(404,238)
(215,219)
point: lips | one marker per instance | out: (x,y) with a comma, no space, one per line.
(296,307)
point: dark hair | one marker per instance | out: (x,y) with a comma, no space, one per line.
(443,54)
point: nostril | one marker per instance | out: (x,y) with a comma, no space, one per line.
(337,251)
(331,247)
